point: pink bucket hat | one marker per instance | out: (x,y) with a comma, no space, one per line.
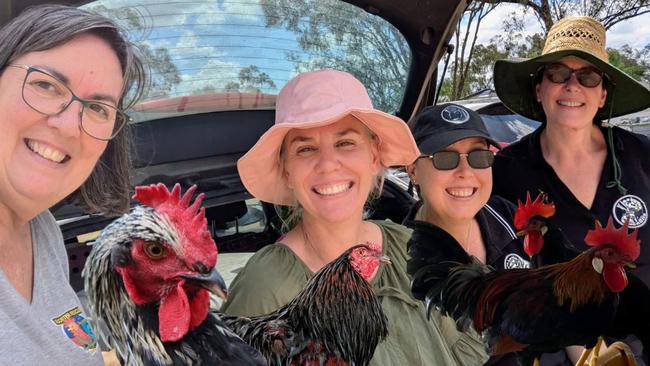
(314,99)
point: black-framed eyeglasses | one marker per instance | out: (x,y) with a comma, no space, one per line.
(448,160)
(557,73)
(47,94)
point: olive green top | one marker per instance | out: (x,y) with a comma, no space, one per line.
(275,275)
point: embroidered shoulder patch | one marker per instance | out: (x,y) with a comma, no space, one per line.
(77,328)
(632,208)
(513,260)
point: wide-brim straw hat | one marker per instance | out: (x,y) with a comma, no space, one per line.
(315,99)
(578,36)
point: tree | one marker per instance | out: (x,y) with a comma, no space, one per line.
(466,35)
(634,62)
(609,12)
(345,38)
(251,80)
(476,61)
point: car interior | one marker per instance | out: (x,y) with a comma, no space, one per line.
(191,141)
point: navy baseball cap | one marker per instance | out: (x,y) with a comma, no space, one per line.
(439,126)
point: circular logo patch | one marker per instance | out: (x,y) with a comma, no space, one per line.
(632,208)
(454,114)
(515,261)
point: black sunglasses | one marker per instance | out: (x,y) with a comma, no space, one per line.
(448,160)
(589,77)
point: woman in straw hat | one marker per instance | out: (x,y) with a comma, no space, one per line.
(589,170)
(323,156)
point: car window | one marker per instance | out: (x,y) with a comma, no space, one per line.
(218,55)
(508,128)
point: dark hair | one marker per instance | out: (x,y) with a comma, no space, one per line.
(40,28)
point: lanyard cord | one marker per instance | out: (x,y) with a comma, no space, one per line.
(616,182)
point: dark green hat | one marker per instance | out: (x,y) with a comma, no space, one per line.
(579,36)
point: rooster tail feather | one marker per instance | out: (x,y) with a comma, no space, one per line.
(458,295)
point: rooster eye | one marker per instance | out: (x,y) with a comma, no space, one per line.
(154,250)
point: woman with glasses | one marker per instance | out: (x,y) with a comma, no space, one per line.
(64,74)
(588,168)
(453,178)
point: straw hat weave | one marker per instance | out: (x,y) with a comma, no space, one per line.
(577,33)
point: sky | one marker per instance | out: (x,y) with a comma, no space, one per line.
(634,32)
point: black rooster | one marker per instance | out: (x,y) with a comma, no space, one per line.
(336,319)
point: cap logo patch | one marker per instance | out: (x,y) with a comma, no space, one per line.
(454,114)
(632,208)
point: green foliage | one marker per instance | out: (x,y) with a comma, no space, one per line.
(513,42)
(631,61)
(251,80)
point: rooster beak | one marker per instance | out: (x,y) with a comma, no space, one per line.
(630,265)
(212,281)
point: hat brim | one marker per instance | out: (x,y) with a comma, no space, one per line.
(260,171)
(439,141)
(514,83)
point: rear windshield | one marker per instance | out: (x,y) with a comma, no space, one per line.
(217,55)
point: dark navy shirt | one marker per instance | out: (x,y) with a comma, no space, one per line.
(521,168)
(503,248)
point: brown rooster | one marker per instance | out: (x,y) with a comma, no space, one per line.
(529,220)
(146,278)
(545,309)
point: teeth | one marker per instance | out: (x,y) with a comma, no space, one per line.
(570,104)
(333,189)
(46,152)
(460,192)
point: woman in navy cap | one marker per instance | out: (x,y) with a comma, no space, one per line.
(453,177)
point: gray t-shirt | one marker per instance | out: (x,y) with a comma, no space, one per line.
(53,329)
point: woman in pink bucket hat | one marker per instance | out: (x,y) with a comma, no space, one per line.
(323,157)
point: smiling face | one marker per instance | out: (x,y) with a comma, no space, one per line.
(331,169)
(456,194)
(570,104)
(45,158)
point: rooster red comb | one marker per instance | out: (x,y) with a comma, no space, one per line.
(189,220)
(626,244)
(526,211)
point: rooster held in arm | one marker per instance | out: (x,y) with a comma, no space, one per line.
(544,242)
(535,311)
(336,319)
(144,278)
